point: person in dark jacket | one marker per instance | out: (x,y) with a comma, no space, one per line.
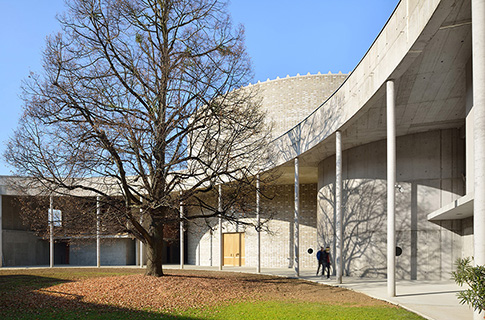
(320,260)
(326,261)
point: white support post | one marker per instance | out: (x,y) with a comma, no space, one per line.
(182,252)
(1,233)
(391,182)
(51,232)
(98,233)
(141,243)
(141,254)
(221,240)
(338,205)
(211,244)
(297,215)
(258,224)
(478,58)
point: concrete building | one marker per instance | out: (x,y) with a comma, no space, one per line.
(392,162)
(387,160)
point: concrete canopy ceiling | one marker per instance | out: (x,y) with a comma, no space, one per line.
(430,91)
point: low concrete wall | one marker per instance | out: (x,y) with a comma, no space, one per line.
(114,252)
(23,248)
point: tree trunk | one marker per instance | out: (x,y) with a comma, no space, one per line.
(155,253)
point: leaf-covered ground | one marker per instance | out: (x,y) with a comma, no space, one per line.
(177,291)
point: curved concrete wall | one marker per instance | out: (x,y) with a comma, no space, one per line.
(393,51)
(430,174)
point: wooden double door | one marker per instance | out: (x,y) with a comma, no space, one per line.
(234,249)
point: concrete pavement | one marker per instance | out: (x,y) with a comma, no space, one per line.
(434,300)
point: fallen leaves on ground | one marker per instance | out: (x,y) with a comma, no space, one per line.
(177,291)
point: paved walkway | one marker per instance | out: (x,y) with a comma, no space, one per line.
(434,300)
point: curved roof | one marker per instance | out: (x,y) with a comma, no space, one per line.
(425,47)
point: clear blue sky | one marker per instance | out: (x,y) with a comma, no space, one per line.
(282,37)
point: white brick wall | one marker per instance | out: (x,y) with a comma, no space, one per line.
(275,244)
(289,100)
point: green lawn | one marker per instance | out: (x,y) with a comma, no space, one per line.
(272,310)
(30,283)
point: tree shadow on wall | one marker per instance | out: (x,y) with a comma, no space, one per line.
(364,209)
(364,216)
(318,126)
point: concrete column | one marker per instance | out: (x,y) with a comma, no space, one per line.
(391,182)
(1,233)
(141,243)
(137,252)
(51,232)
(182,251)
(98,233)
(221,240)
(478,58)
(297,216)
(258,224)
(211,244)
(338,205)
(141,254)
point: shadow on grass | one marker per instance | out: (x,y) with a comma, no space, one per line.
(25,281)
(22,297)
(241,277)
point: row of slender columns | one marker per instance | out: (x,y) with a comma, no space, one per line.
(338,211)
(338,208)
(51,231)
(391,182)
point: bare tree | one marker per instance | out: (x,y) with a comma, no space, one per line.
(139,100)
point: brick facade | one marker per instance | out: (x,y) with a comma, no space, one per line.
(203,244)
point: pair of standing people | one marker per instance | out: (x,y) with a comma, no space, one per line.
(324,260)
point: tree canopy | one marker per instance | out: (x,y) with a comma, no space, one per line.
(141,100)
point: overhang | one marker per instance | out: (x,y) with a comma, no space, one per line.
(461,208)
